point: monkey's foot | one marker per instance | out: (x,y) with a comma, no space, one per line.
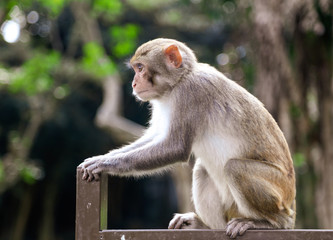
(186,221)
(238,226)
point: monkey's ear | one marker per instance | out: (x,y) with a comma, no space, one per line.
(173,56)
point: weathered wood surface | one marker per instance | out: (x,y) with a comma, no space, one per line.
(216,235)
(91,207)
(91,222)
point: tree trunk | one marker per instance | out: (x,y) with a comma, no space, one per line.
(325,101)
(285,92)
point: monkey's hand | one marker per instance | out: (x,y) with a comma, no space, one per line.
(187,221)
(94,166)
(238,226)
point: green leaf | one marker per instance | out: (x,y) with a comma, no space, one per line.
(124,39)
(54,6)
(35,75)
(28,175)
(123,48)
(96,62)
(112,8)
(299,159)
(295,111)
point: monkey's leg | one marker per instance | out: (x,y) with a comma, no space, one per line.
(207,204)
(263,195)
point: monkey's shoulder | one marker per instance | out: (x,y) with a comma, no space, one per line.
(208,74)
(221,87)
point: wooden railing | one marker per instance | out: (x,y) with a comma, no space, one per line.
(91,222)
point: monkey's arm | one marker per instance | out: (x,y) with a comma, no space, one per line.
(145,158)
(143,140)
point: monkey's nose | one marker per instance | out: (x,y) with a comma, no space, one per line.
(133,84)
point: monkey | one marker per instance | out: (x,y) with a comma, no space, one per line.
(243,175)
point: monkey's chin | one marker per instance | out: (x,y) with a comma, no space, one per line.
(140,96)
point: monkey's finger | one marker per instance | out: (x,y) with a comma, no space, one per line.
(81,167)
(96,177)
(90,173)
(91,177)
(89,161)
(236,230)
(179,223)
(85,174)
(174,221)
(243,229)
(230,228)
(236,227)
(247,225)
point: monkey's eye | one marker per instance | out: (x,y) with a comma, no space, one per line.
(139,67)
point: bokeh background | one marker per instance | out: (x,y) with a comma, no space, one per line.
(65,95)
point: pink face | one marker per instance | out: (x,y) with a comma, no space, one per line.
(147,83)
(142,84)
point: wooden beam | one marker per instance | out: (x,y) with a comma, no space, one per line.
(91,222)
(216,235)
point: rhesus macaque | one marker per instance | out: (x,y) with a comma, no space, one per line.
(243,176)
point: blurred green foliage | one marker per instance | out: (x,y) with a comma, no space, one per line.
(111,8)
(299,159)
(35,75)
(295,111)
(95,61)
(125,38)
(28,175)
(54,6)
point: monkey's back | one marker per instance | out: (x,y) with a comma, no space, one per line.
(242,118)
(239,127)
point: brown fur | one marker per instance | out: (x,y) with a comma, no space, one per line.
(243,177)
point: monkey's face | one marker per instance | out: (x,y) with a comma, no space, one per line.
(143,84)
(158,66)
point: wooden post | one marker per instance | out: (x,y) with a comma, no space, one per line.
(91,212)
(104,202)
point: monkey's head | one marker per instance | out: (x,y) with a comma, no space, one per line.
(159,65)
